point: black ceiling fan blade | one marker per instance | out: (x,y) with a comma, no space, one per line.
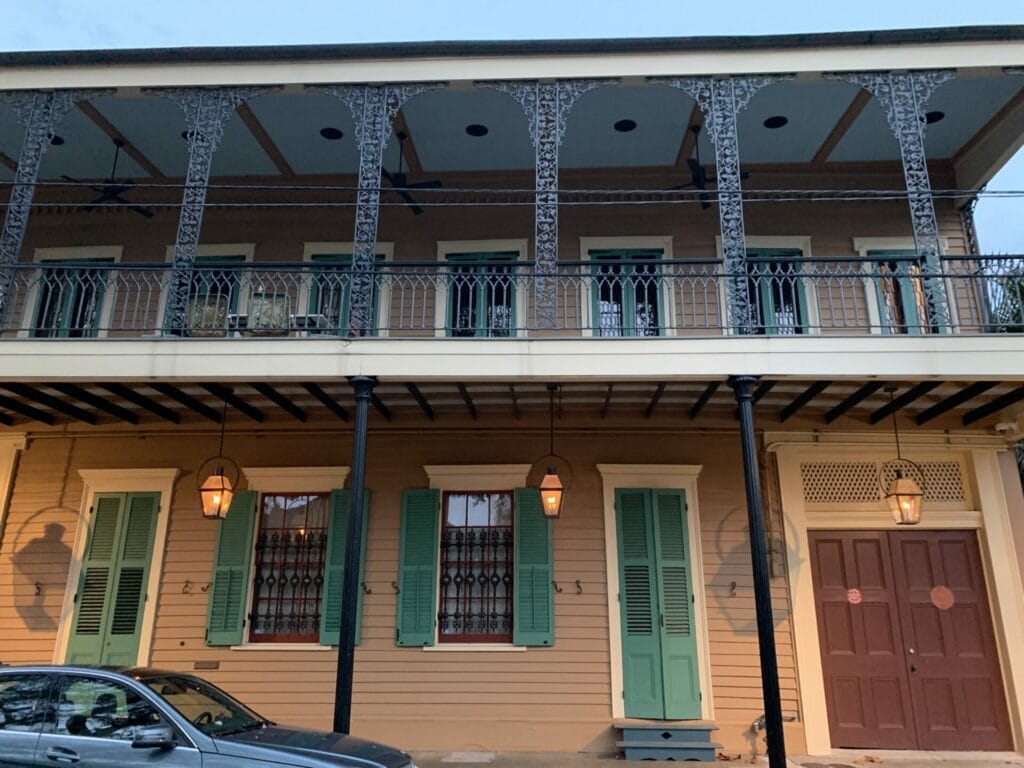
(399,188)
(432,184)
(141,210)
(80,183)
(409,201)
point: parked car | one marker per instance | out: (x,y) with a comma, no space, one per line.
(85,717)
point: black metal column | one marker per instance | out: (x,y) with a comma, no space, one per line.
(743,386)
(363,386)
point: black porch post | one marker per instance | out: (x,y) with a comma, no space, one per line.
(743,386)
(363,386)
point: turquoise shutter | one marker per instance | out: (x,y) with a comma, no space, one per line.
(334,567)
(638,605)
(225,618)
(130,579)
(678,640)
(417,568)
(534,621)
(87,634)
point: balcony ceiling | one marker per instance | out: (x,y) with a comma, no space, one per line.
(931,404)
(289,124)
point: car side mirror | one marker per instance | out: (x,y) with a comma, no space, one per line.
(154,737)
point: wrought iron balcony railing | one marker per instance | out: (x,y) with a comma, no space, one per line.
(789,296)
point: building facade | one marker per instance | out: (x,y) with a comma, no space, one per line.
(579,255)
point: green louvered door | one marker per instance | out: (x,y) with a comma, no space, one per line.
(659,650)
(112,587)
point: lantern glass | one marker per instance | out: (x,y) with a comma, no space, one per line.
(904,498)
(551,492)
(215,494)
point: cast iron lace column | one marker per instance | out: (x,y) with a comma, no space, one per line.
(547,108)
(903,97)
(721,99)
(743,386)
(207,110)
(373,109)
(40,112)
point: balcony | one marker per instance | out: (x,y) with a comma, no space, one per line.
(646,298)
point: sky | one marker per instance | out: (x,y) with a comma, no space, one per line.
(81,24)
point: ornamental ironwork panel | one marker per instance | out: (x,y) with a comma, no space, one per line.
(373,109)
(207,110)
(39,112)
(903,96)
(547,107)
(721,99)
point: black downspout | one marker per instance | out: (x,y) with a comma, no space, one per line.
(363,386)
(743,386)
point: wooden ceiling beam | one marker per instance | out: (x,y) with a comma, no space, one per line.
(689,138)
(54,403)
(961,397)
(263,139)
(803,399)
(382,409)
(279,400)
(146,403)
(26,410)
(198,406)
(9,161)
(421,401)
(1005,401)
(326,400)
(467,399)
(858,396)
(698,406)
(905,399)
(240,405)
(100,403)
(412,158)
(6,420)
(115,135)
(516,414)
(649,411)
(607,401)
(841,127)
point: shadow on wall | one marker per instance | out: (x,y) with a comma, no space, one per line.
(40,577)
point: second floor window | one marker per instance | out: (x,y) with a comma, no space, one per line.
(70,298)
(626,293)
(214,294)
(481,294)
(330,294)
(776,290)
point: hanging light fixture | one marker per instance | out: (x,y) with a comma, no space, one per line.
(552,488)
(216,489)
(903,493)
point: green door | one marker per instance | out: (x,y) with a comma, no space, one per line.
(112,586)
(659,647)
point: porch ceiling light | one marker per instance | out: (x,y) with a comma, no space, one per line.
(552,487)
(903,493)
(216,489)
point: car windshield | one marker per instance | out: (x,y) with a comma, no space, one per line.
(208,708)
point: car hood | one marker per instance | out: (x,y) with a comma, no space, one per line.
(273,742)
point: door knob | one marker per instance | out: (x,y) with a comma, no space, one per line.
(913,667)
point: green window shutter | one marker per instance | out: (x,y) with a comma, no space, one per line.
(225,618)
(417,567)
(334,567)
(678,640)
(638,606)
(534,620)
(87,634)
(131,576)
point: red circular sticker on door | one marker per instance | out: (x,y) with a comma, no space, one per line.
(854,597)
(943,597)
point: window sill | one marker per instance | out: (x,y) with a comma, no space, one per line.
(282,647)
(482,647)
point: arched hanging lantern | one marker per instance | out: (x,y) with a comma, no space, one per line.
(903,492)
(216,489)
(551,486)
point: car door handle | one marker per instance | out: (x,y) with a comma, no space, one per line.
(61,755)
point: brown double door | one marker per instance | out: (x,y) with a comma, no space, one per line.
(907,646)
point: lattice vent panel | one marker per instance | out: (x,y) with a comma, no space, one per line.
(840,482)
(943,481)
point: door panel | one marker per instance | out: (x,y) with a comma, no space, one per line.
(954,670)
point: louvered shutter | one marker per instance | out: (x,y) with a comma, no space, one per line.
(417,568)
(131,575)
(85,645)
(334,567)
(638,605)
(678,641)
(225,620)
(534,620)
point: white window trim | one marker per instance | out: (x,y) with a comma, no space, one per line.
(10,446)
(801,242)
(97,481)
(473,477)
(450,247)
(674,476)
(862,245)
(387,250)
(86,252)
(284,480)
(646,242)
(248,250)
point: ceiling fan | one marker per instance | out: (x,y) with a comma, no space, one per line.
(112,189)
(399,180)
(699,178)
